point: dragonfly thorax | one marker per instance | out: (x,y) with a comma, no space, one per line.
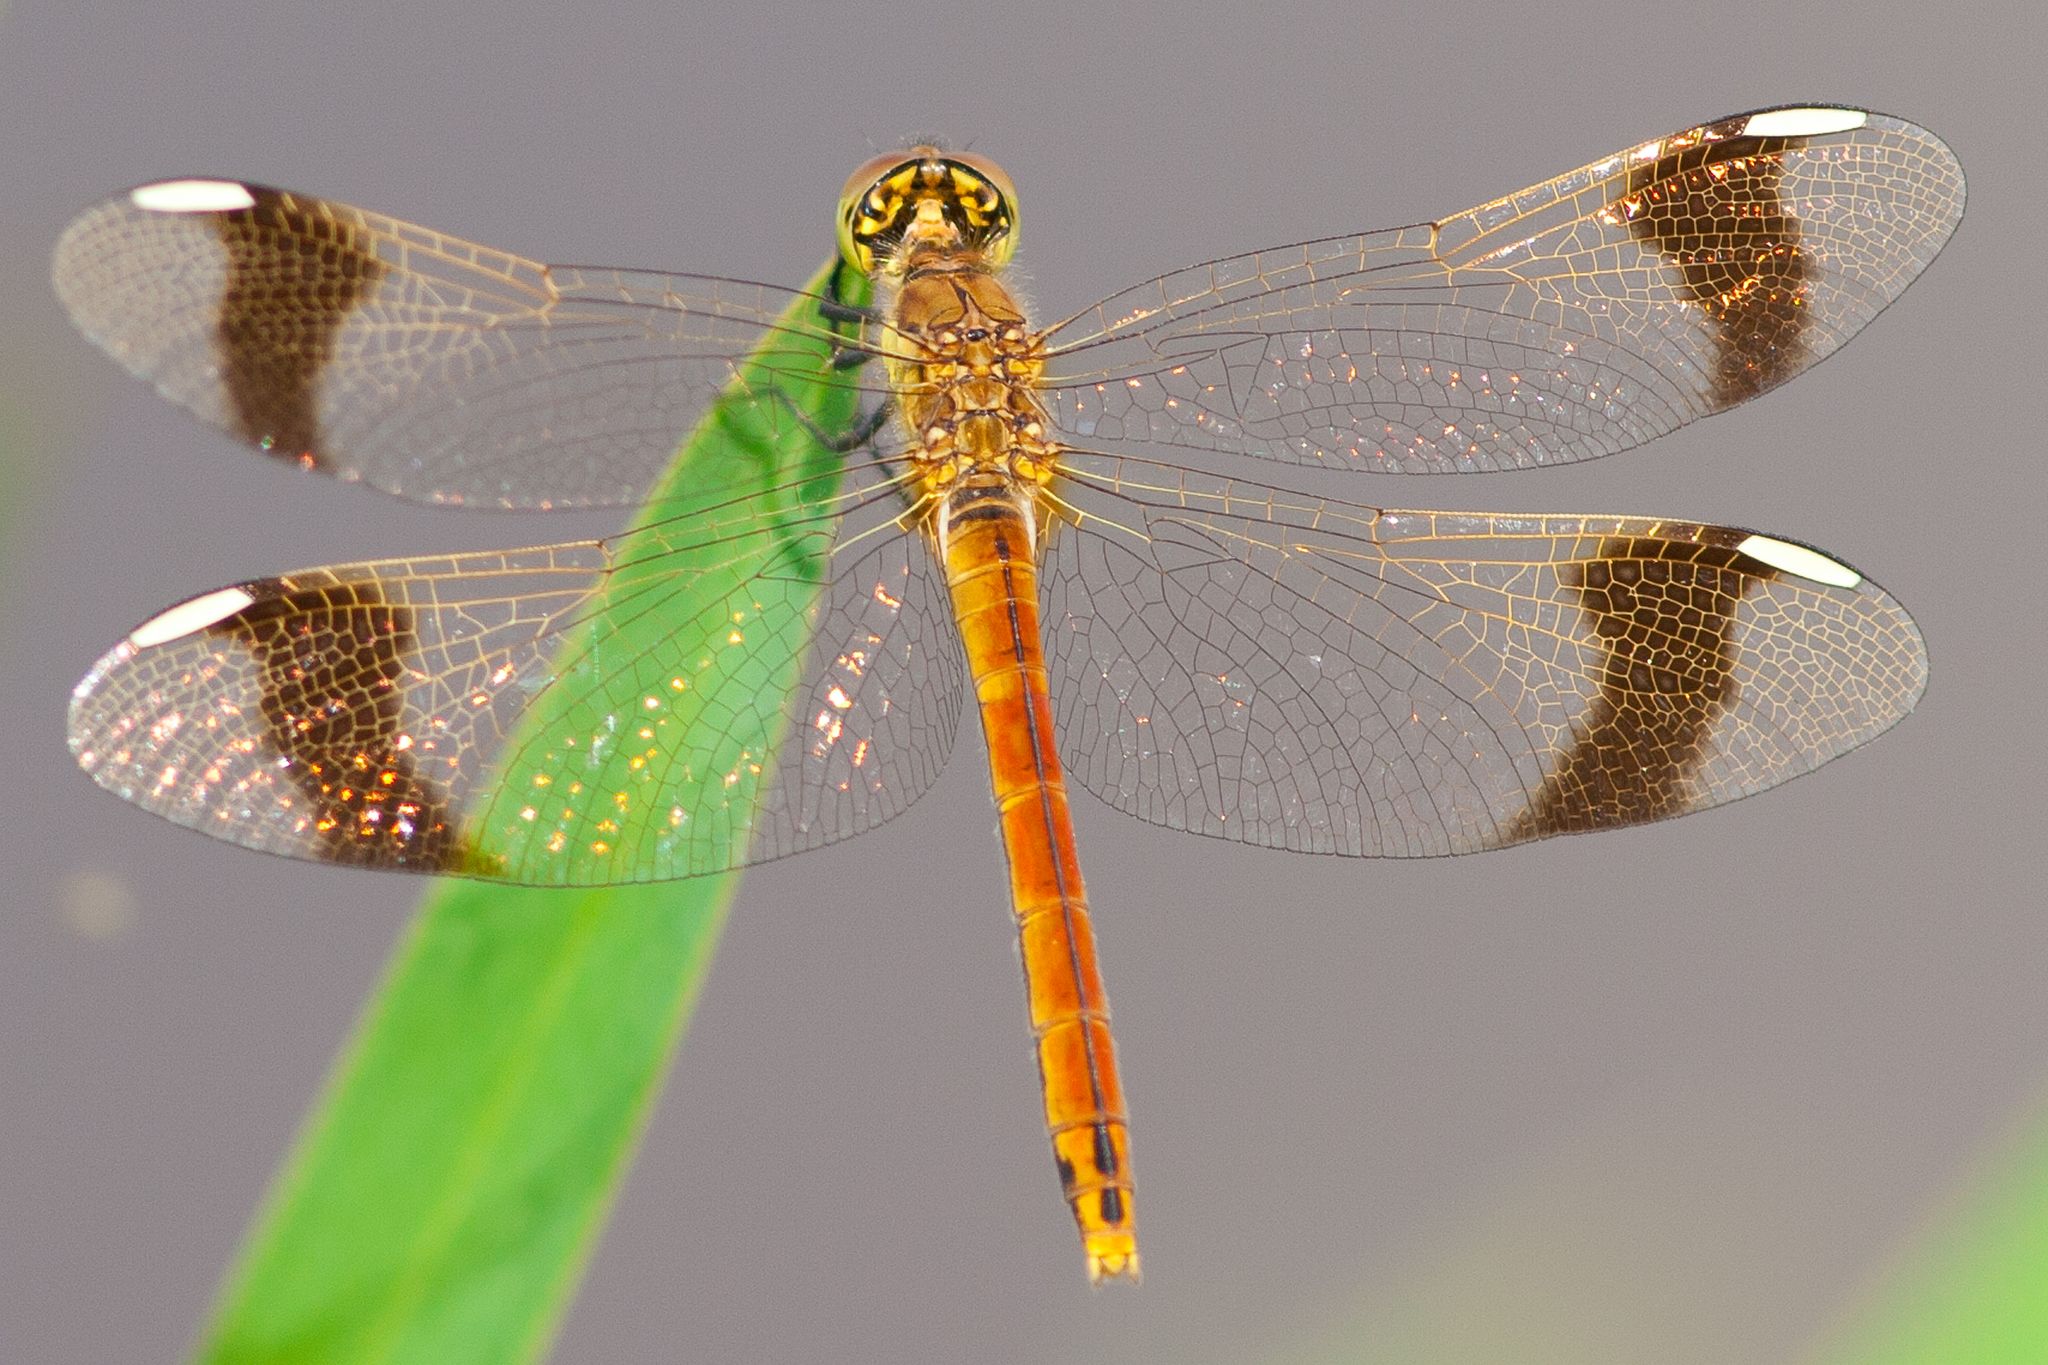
(983,449)
(965,369)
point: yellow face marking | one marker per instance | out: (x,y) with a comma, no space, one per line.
(956,199)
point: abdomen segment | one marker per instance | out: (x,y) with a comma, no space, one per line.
(987,543)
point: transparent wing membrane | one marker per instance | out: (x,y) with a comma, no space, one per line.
(484,713)
(1576,318)
(1227,658)
(421,364)
(1231,659)
(1239,661)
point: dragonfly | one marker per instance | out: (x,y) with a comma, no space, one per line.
(1086,529)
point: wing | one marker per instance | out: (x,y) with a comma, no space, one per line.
(1576,318)
(426,366)
(1306,674)
(677,700)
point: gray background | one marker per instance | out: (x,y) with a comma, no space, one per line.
(1681,1094)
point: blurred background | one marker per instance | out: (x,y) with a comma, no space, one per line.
(1690,1093)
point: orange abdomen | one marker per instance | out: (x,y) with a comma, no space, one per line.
(987,546)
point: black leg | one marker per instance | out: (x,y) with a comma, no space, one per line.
(833,311)
(854,437)
(848,353)
(860,433)
(833,307)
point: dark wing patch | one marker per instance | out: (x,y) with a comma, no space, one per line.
(330,669)
(1665,613)
(1715,211)
(294,275)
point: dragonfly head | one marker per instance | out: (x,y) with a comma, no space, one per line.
(950,201)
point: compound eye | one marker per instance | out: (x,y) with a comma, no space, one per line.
(868,176)
(988,201)
(884,193)
(997,181)
(873,201)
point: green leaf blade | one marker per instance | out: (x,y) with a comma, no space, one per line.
(1972,1287)
(446,1193)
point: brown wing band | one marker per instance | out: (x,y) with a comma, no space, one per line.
(1715,211)
(293,278)
(331,663)
(1664,611)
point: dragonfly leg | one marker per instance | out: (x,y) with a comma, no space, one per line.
(853,438)
(833,307)
(861,432)
(847,352)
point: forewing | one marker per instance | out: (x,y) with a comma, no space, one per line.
(1576,318)
(432,368)
(1299,673)
(578,714)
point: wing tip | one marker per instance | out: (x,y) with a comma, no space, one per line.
(1804,120)
(193,195)
(190,617)
(1800,561)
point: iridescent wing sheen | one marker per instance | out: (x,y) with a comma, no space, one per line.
(1300,673)
(429,367)
(1576,318)
(1228,658)
(574,714)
